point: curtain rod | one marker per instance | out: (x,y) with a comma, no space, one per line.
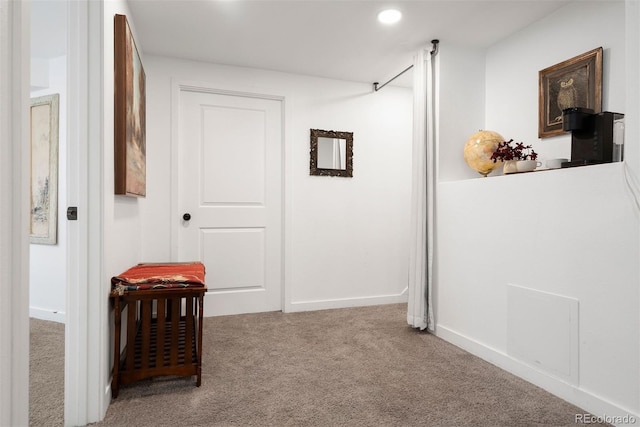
(434,50)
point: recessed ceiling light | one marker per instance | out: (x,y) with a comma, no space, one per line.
(389,16)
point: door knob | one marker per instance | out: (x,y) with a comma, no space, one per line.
(186,216)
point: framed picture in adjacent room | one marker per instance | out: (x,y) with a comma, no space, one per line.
(44,120)
(130,151)
(576,82)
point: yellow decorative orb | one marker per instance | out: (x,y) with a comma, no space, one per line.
(478,150)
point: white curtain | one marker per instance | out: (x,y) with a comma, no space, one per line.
(420,311)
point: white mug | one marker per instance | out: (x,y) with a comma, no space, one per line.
(527,165)
(555,163)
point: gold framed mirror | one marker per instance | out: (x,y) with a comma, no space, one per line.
(331,153)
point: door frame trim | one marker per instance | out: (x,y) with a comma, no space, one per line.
(14,209)
(181,85)
(87,386)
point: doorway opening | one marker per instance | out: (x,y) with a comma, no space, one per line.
(48,256)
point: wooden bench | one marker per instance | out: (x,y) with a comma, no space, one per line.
(163,333)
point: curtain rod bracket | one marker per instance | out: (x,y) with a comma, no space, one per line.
(434,50)
(434,47)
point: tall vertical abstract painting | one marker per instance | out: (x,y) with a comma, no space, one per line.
(130,113)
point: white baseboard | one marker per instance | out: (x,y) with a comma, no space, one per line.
(346,302)
(106,400)
(42,314)
(575,395)
(211,308)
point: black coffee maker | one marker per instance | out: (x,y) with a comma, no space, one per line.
(595,137)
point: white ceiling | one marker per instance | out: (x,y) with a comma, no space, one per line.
(339,39)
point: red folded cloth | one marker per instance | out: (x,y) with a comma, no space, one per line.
(159,276)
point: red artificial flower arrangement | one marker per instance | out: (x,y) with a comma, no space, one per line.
(508,150)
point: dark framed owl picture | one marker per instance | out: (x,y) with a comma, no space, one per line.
(576,82)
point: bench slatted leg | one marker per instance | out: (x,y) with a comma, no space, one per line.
(146,333)
(199,343)
(131,335)
(161,318)
(175,330)
(115,384)
(188,344)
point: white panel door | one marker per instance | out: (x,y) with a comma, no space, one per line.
(230,183)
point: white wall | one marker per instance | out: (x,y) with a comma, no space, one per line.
(632,84)
(461,109)
(359,225)
(569,236)
(48,263)
(122,222)
(513,65)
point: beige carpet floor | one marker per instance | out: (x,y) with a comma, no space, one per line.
(346,367)
(46,374)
